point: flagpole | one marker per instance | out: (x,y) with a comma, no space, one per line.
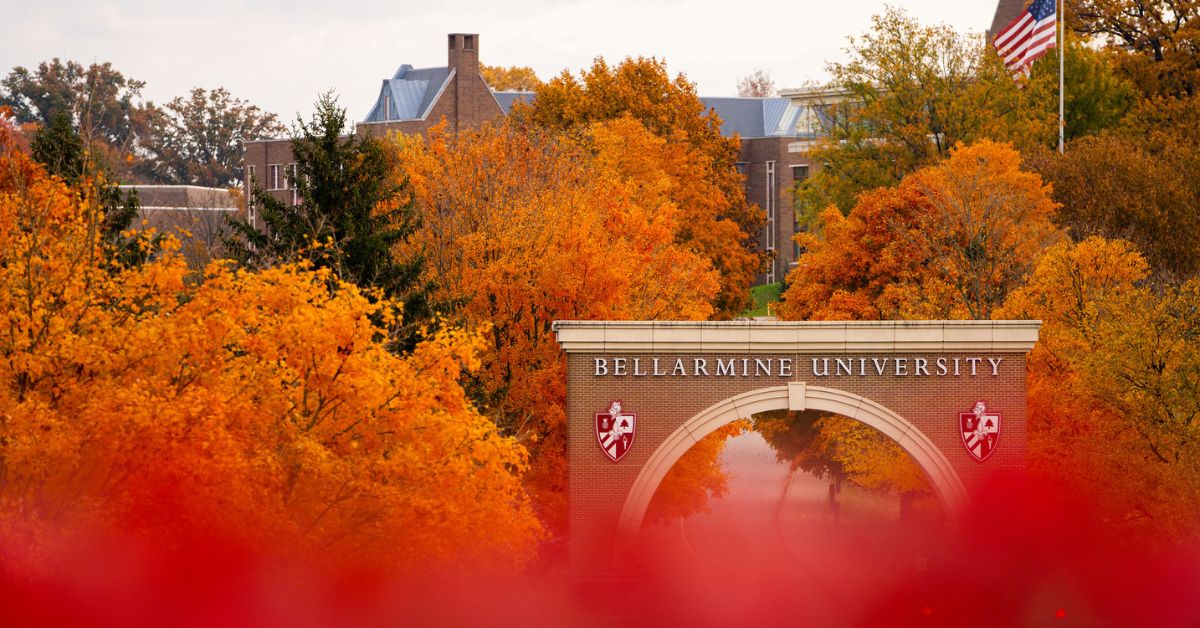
(1062,53)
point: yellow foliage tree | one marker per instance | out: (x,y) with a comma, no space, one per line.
(904,97)
(261,404)
(510,79)
(1112,384)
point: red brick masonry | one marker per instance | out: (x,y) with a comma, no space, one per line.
(928,388)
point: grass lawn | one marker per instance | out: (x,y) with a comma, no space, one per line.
(764,296)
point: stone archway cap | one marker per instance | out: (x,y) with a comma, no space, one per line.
(796,337)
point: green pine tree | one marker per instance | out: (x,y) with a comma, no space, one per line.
(349,215)
(58,147)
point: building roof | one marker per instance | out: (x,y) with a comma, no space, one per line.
(506,99)
(761,117)
(169,197)
(409,94)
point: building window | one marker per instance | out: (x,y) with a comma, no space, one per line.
(469,42)
(249,187)
(387,107)
(275,176)
(799,174)
(796,228)
(289,176)
(740,167)
(770,196)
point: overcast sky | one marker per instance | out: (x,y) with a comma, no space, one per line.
(280,55)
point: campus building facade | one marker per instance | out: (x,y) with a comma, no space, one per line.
(774,133)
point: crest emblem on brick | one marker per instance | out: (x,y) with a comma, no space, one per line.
(615,430)
(980,431)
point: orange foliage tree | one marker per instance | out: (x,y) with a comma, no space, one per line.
(714,216)
(951,241)
(840,448)
(696,476)
(522,228)
(261,404)
(1112,384)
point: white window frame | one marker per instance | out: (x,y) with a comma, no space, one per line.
(275,171)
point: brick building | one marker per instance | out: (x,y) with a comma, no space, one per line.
(1006,12)
(774,133)
(198,216)
(412,101)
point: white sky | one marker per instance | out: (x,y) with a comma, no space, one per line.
(280,55)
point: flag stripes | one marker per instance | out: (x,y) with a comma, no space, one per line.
(1028,37)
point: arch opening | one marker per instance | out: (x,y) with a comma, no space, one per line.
(794,396)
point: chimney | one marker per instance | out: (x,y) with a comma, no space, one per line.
(464,53)
(468,86)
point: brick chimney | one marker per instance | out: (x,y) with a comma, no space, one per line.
(464,52)
(468,87)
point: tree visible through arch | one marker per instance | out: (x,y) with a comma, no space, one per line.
(796,396)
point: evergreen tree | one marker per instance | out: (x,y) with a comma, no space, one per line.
(59,148)
(349,215)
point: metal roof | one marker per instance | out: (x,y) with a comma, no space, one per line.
(506,99)
(409,95)
(760,117)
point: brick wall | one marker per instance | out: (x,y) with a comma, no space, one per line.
(756,153)
(598,487)
(466,103)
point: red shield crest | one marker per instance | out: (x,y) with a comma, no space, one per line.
(615,430)
(980,430)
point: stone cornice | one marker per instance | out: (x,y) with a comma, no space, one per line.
(829,337)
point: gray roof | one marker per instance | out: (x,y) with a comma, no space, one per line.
(506,99)
(758,117)
(169,197)
(409,94)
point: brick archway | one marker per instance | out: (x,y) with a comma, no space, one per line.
(910,379)
(794,396)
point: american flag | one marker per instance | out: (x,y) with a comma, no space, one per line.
(1027,38)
